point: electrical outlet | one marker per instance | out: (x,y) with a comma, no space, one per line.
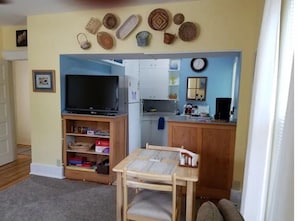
(58,163)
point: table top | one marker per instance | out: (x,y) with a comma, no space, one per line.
(159,162)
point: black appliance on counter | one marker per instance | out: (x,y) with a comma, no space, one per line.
(223,108)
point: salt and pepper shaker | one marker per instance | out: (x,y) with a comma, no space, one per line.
(185,159)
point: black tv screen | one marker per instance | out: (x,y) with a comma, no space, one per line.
(92,94)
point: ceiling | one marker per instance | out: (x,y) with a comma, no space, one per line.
(14,12)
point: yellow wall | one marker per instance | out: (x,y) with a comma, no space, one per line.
(21,92)
(225,25)
(1,40)
(8,38)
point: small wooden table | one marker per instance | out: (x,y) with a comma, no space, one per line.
(158,161)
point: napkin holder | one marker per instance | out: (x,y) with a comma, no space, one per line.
(188,158)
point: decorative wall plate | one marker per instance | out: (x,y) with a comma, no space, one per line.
(110,21)
(143,38)
(93,25)
(187,31)
(105,40)
(178,18)
(158,19)
(127,27)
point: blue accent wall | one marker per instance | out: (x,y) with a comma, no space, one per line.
(70,65)
(219,73)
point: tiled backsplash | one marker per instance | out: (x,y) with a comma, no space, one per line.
(160,105)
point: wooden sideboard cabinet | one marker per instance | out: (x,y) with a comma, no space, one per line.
(215,143)
(89,129)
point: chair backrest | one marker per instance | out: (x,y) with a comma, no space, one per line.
(149,181)
(155,147)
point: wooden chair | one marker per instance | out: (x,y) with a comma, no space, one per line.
(155,147)
(156,200)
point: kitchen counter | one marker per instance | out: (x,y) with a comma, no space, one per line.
(157,115)
(192,119)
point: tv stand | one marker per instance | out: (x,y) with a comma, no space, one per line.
(88,129)
(110,114)
(103,113)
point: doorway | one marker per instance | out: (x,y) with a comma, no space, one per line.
(17,68)
(21,97)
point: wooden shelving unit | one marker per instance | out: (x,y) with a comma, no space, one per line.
(75,130)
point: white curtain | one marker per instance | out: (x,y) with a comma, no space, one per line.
(268,180)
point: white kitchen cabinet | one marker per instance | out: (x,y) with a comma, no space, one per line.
(154,63)
(154,78)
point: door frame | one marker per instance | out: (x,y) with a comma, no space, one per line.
(7,58)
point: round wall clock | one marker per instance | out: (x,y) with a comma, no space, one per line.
(198,64)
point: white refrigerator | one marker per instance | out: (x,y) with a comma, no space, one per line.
(134,105)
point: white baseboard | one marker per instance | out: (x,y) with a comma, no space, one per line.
(47,170)
(235,197)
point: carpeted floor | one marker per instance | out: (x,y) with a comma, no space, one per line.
(47,199)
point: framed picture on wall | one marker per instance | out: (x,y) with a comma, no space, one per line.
(21,38)
(44,81)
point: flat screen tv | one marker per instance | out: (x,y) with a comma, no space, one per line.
(88,94)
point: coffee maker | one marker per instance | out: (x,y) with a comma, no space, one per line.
(223,109)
